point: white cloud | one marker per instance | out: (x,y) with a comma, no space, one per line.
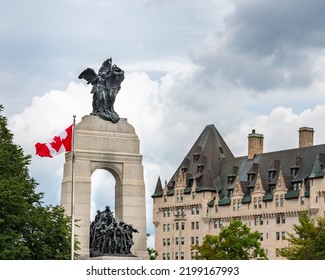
(50,114)
(280,129)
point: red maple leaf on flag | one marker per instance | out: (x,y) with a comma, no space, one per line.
(59,144)
(56,143)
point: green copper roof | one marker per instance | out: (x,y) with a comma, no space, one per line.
(211,202)
(170,192)
(246,199)
(317,171)
(230,188)
(187,190)
(204,188)
(157,194)
(268,197)
(292,194)
(224,201)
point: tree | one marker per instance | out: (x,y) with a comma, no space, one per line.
(153,254)
(308,241)
(49,234)
(235,242)
(28,230)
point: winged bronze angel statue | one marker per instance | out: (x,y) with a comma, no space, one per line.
(106,85)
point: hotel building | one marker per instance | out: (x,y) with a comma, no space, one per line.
(211,187)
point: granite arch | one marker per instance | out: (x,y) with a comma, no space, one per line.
(115,147)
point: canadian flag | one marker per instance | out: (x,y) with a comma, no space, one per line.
(60,144)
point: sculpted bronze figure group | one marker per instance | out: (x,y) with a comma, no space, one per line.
(106,85)
(108,237)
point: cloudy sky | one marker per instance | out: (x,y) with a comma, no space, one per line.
(237,64)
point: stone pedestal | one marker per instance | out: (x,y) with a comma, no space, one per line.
(115,147)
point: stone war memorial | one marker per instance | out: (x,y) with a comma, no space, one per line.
(103,140)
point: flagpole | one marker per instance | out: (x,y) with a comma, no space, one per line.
(72,188)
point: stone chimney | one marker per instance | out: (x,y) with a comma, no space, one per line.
(255,144)
(306,137)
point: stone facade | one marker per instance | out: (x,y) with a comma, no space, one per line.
(101,144)
(267,192)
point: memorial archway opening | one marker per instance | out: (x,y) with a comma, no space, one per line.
(103,186)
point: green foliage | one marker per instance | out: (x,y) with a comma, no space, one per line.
(234,242)
(308,242)
(153,254)
(49,234)
(28,230)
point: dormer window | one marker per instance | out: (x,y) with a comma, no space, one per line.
(196,157)
(184,169)
(231,179)
(294,171)
(200,168)
(272,174)
(250,177)
(275,166)
(295,166)
(252,172)
(232,174)
(296,186)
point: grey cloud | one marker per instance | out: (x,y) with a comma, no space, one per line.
(266,44)
(264,26)
(44,42)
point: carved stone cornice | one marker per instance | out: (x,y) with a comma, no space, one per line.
(207,219)
(314,210)
(265,215)
(175,207)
